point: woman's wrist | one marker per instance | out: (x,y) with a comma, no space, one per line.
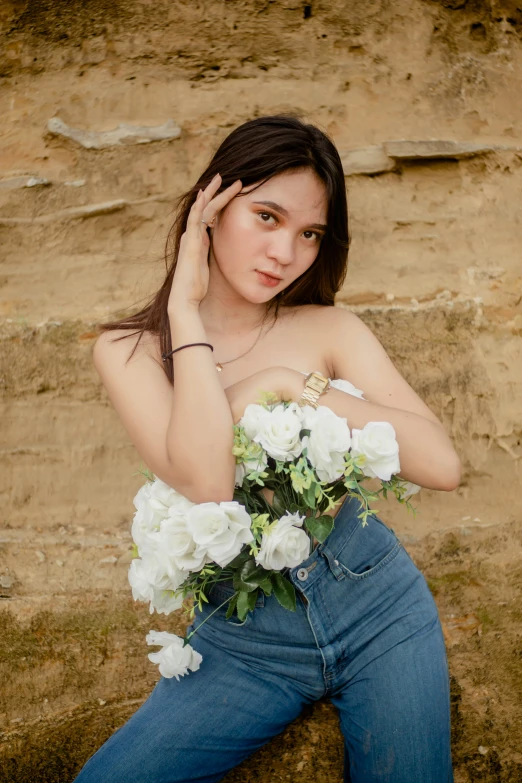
(181,309)
(186,327)
(184,319)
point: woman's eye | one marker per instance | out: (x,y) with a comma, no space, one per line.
(312,235)
(265,216)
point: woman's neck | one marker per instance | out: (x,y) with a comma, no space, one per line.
(231,315)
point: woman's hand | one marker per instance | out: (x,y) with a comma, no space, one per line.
(191,278)
(285,383)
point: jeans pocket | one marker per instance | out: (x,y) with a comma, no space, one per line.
(222,592)
(368,550)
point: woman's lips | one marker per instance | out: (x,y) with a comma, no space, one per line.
(267,279)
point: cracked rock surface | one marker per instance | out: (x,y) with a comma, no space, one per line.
(422,102)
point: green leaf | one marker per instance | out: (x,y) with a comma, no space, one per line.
(284,591)
(231,606)
(278,503)
(320,527)
(241,558)
(309,496)
(242,605)
(246,603)
(249,576)
(266,586)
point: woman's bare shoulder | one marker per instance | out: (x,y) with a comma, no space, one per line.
(321,328)
(320,313)
(115,346)
(321,319)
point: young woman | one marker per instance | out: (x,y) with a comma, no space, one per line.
(259,250)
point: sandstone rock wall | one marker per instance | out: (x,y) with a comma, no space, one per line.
(435,261)
(435,266)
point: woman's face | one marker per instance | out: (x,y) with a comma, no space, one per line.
(266,238)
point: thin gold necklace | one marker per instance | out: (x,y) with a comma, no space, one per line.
(219,365)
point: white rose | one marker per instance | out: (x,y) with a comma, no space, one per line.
(162,492)
(176,546)
(159,497)
(148,517)
(284,544)
(144,536)
(174,659)
(346,386)
(153,502)
(328,442)
(377,442)
(155,572)
(252,419)
(165,602)
(142,589)
(279,432)
(151,582)
(220,530)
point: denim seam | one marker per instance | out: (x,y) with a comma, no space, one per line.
(326,609)
(312,577)
(334,567)
(392,554)
(325,672)
(354,529)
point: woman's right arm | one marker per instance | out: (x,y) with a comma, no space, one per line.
(184,435)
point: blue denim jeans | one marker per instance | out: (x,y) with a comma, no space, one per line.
(366,635)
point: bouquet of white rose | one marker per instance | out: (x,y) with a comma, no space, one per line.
(307,459)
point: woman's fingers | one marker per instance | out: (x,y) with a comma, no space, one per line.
(192,274)
(211,189)
(206,206)
(202,199)
(216,204)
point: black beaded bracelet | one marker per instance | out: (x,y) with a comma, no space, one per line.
(165,356)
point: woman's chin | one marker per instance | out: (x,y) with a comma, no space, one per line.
(262,298)
(257,295)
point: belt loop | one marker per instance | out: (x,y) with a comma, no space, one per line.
(333,564)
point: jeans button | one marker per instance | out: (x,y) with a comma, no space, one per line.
(302,574)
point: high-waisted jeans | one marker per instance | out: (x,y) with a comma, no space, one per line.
(366,635)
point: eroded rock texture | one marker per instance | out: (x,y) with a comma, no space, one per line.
(422,100)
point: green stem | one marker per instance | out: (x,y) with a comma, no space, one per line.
(208,618)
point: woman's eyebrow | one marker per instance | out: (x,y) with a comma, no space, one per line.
(284,212)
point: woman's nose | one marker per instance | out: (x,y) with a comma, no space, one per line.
(281,248)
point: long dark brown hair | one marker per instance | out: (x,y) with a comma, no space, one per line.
(254,152)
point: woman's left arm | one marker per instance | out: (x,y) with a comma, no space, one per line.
(426,453)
